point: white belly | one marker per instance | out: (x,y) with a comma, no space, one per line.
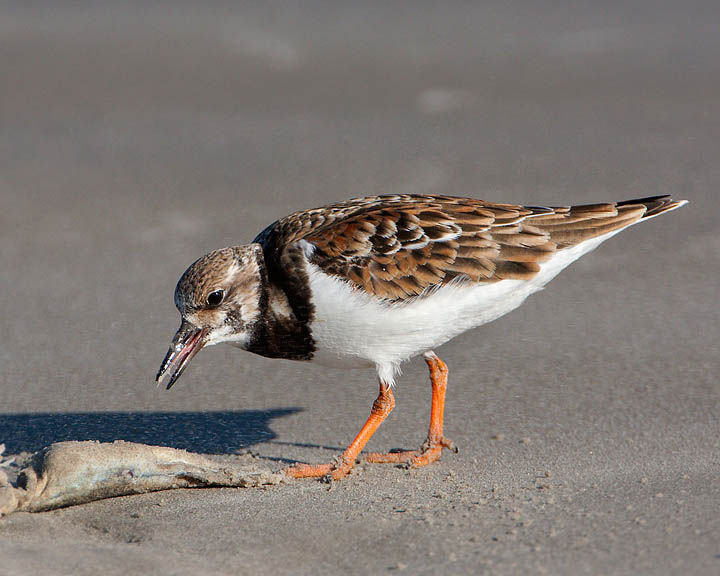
(352,329)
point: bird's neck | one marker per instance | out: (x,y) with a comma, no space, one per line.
(283,330)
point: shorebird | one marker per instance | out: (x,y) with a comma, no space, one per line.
(375,281)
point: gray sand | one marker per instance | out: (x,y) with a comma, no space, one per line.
(136,137)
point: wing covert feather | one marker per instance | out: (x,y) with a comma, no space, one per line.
(398,247)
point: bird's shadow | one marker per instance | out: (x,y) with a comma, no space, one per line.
(207,432)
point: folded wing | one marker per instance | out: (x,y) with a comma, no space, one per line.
(398,247)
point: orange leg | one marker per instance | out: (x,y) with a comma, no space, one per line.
(435,442)
(382,406)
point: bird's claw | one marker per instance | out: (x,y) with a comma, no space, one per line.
(450,445)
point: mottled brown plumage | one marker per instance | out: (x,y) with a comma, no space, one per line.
(203,276)
(399,247)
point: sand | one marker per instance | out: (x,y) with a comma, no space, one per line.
(134,137)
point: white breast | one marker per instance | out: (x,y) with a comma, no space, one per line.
(353,329)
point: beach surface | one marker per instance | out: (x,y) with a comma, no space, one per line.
(137,136)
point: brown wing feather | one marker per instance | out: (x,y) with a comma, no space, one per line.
(397,247)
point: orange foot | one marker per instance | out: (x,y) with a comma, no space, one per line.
(436,441)
(429,452)
(382,406)
(326,471)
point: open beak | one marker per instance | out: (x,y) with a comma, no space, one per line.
(187,342)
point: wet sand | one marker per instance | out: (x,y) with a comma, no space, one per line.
(135,137)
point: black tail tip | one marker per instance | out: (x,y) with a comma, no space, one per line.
(655,204)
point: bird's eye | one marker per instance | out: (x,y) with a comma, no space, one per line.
(215,297)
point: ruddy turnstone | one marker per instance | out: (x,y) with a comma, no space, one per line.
(376,281)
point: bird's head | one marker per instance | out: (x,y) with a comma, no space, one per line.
(219,299)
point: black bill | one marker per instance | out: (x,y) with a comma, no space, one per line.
(187,342)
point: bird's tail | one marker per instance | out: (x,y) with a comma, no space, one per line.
(572,225)
(654,205)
